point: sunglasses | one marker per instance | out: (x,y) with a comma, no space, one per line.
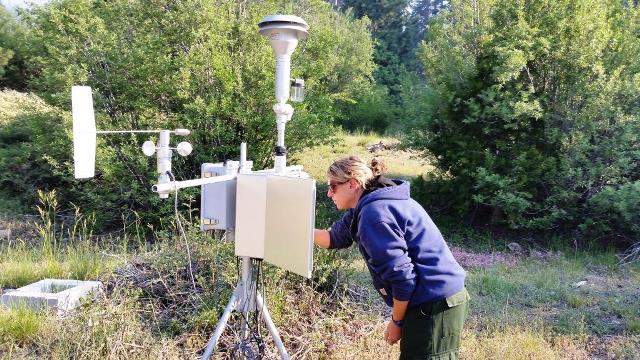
(333,185)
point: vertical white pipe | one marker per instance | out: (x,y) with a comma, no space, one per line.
(164,153)
(280,126)
(243,153)
(163,159)
(283,72)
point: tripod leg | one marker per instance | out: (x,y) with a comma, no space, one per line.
(272,328)
(222,323)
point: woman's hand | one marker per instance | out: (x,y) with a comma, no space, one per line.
(393,333)
(322,238)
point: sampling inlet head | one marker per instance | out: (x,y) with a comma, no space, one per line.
(283,31)
(281,28)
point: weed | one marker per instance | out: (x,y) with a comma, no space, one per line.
(366,138)
(85,261)
(48,209)
(17,273)
(577,301)
(633,325)
(571,322)
(21,266)
(19,325)
(492,283)
(624,347)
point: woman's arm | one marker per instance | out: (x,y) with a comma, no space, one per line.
(322,238)
(336,237)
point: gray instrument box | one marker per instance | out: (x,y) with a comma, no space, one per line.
(218,200)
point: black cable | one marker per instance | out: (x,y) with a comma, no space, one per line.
(238,267)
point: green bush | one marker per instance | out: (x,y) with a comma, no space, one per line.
(614,211)
(12,66)
(36,153)
(6,53)
(194,64)
(531,114)
(370,110)
(34,146)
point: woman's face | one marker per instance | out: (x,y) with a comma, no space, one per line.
(345,194)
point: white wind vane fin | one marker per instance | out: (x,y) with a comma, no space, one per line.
(84,132)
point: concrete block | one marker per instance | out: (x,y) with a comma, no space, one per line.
(61,295)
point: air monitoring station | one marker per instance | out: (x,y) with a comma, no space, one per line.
(269,213)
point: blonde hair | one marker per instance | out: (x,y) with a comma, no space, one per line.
(354,167)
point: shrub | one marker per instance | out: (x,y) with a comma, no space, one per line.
(34,146)
(370,110)
(531,112)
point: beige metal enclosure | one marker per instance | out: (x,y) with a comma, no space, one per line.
(275,218)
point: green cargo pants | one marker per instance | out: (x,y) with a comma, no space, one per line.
(432,330)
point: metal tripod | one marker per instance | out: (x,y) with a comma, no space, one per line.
(244,299)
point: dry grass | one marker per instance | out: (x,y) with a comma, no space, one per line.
(518,343)
(110,328)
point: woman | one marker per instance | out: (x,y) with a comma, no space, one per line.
(410,264)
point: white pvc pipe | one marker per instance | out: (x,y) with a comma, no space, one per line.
(243,154)
(283,71)
(126,131)
(164,153)
(171,186)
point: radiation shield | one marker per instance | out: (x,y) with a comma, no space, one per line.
(275,219)
(84,132)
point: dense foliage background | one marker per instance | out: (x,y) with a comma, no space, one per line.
(194,64)
(532,114)
(529,109)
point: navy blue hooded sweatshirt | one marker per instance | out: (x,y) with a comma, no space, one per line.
(406,255)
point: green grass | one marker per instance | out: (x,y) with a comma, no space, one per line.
(20,325)
(606,305)
(21,265)
(527,311)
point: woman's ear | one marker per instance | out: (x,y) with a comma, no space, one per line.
(353,184)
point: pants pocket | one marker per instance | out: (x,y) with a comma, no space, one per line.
(417,334)
(452,319)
